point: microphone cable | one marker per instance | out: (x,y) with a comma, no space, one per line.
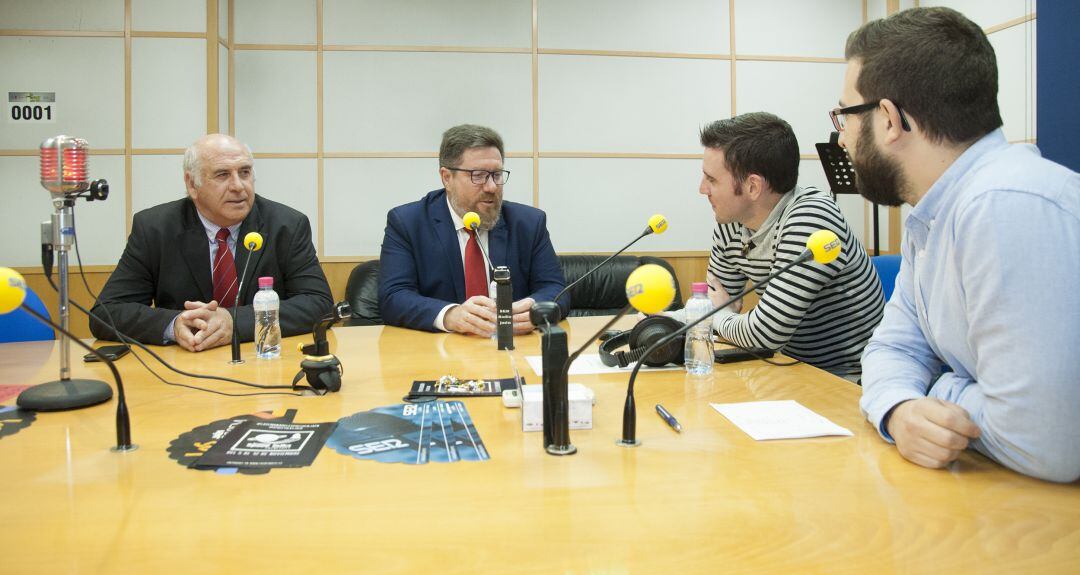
(129,341)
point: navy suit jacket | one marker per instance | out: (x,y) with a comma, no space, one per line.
(420,265)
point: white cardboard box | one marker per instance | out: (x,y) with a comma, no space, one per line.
(532,407)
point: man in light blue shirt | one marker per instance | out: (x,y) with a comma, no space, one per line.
(976,346)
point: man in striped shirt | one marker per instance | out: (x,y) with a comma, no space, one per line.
(823,315)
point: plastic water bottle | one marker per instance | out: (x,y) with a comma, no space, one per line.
(698,354)
(267,327)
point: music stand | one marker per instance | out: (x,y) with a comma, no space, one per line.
(841,174)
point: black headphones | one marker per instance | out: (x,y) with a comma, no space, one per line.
(647,332)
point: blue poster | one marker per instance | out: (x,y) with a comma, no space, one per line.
(410,433)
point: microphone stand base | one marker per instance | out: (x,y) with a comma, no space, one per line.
(65,394)
(235,361)
(627,442)
(123,449)
(560,449)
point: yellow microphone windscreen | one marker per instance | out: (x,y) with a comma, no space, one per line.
(12,290)
(658,223)
(650,289)
(471,219)
(253,238)
(824,245)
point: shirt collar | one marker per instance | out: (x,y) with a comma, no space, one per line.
(212,228)
(937,199)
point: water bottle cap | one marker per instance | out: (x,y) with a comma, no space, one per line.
(266,282)
(699,287)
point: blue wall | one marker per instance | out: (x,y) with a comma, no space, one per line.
(1058,77)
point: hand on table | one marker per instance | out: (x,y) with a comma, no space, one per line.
(202,326)
(931,432)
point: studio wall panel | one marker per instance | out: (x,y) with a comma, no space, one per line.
(358,193)
(773,86)
(156,180)
(87,75)
(488,23)
(99,225)
(223,19)
(223,89)
(274,21)
(616,104)
(169,15)
(984,13)
(795,27)
(168,92)
(598,204)
(692,26)
(1015,50)
(876,9)
(276,100)
(386,101)
(293,182)
(62,14)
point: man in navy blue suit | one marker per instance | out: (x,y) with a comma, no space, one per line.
(433,275)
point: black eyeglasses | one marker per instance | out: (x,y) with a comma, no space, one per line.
(480,177)
(837,114)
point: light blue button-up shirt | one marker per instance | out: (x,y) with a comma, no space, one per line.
(986,309)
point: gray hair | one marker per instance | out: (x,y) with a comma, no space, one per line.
(460,138)
(193,159)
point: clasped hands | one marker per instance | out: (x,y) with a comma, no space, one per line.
(202,326)
(478,316)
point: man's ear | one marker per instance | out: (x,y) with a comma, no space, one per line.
(755,186)
(894,121)
(445,176)
(189,184)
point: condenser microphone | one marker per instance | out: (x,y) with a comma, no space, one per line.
(658,224)
(12,295)
(253,241)
(65,167)
(822,246)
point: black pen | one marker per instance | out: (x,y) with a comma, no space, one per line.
(670,419)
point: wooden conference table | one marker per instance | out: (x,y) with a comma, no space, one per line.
(709,500)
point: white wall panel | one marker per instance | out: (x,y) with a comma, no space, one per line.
(223,89)
(1015,50)
(156,180)
(99,225)
(598,204)
(274,21)
(276,101)
(616,104)
(62,14)
(223,19)
(381,101)
(984,13)
(795,27)
(168,92)
(293,182)
(876,9)
(491,23)
(73,64)
(770,86)
(169,15)
(358,193)
(694,26)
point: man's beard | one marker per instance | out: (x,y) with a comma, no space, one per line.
(877,178)
(487,221)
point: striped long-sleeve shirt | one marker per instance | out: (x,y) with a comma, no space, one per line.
(821,314)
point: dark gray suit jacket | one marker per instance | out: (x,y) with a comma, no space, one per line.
(167,262)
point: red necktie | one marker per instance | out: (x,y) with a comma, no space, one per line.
(224,271)
(475,268)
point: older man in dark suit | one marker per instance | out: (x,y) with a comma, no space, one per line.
(433,274)
(179,273)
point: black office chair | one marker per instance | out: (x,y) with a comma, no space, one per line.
(604,292)
(362,293)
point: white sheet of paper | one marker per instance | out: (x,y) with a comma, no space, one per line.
(788,419)
(587,364)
